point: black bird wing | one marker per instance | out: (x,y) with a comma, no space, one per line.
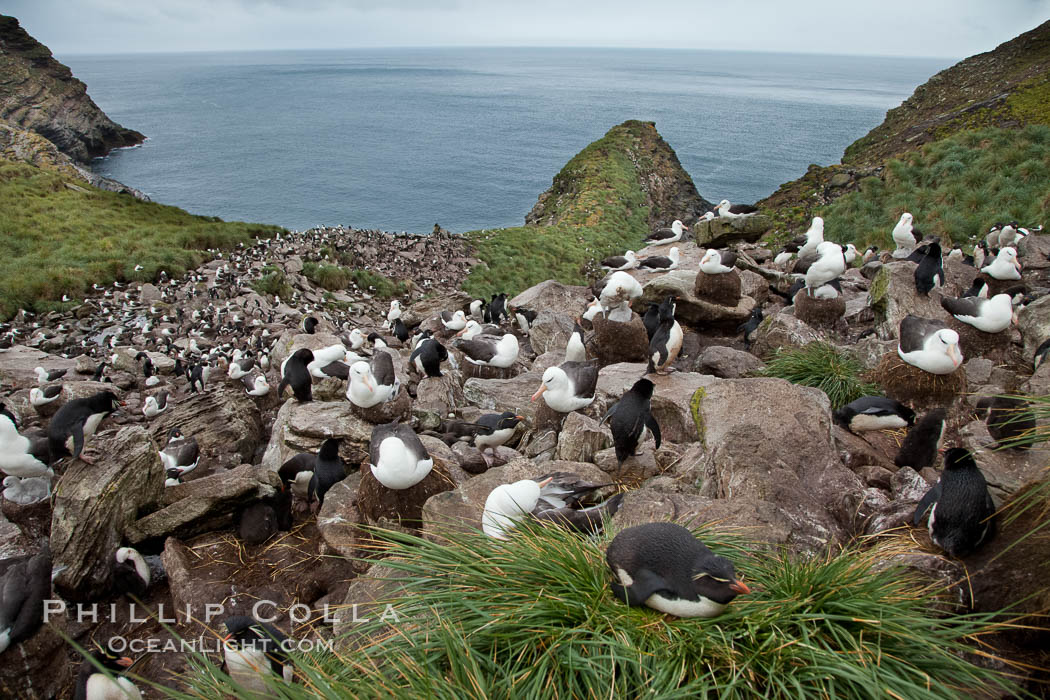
(383,368)
(480,348)
(963,306)
(644,584)
(583,375)
(655,261)
(928,500)
(337,369)
(302,462)
(914,330)
(654,427)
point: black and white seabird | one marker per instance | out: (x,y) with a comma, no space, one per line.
(454,321)
(44,376)
(131,574)
(904,236)
(627,261)
(151,378)
(23,588)
(929,274)
(618,291)
(712,264)
(663,236)
(398,458)
(988,315)
(961,509)
(1008,419)
(328,470)
(524,318)
(43,395)
(874,413)
(498,428)
(630,418)
(76,421)
(750,325)
(663,566)
(929,345)
(661,262)
(557,497)
(667,339)
(569,386)
(294,373)
(254,652)
(576,346)
(428,356)
(491,351)
(1006,266)
(21,456)
(920,446)
(155,405)
(733,211)
(1041,353)
(372,383)
(181,453)
(830,264)
(400,330)
(94,684)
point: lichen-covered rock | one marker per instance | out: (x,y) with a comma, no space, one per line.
(302,427)
(726,363)
(553,296)
(692,310)
(780,331)
(672,397)
(95,504)
(722,231)
(893,296)
(581,438)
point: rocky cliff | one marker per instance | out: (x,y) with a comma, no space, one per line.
(39,94)
(19,145)
(1006,87)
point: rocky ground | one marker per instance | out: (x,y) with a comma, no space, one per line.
(758,454)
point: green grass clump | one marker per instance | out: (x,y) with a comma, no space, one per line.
(956,188)
(377,284)
(821,365)
(330,277)
(534,617)
(272,283)
(58,239)
(598,206)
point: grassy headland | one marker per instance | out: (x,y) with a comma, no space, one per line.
(600,204)
(60,236)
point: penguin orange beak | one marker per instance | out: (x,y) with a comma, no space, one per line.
(739,587)
(125,661)
(543,388)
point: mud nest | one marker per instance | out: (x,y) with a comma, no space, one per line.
(916,387)
(819,313)
(721,289)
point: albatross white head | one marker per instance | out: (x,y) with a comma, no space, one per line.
(507,504)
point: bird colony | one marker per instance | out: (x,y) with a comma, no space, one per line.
(198,415)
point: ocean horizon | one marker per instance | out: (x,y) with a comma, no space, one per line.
(401,139)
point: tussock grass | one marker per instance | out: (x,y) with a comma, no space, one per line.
(330,277)
(59,240)
(534,617)
(378,284)
(273,282)
(837,373)
(956,188)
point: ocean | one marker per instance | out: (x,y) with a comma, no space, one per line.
(401,139)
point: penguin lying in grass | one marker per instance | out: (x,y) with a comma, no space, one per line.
(662,566)
(961,509)
(874,413)
(96,684)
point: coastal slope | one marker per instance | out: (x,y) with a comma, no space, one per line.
(1006,88)
(39,94)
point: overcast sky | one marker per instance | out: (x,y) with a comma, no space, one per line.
(948,28)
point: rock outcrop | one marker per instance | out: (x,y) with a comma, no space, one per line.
(40,94)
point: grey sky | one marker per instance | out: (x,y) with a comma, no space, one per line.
(949,28)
